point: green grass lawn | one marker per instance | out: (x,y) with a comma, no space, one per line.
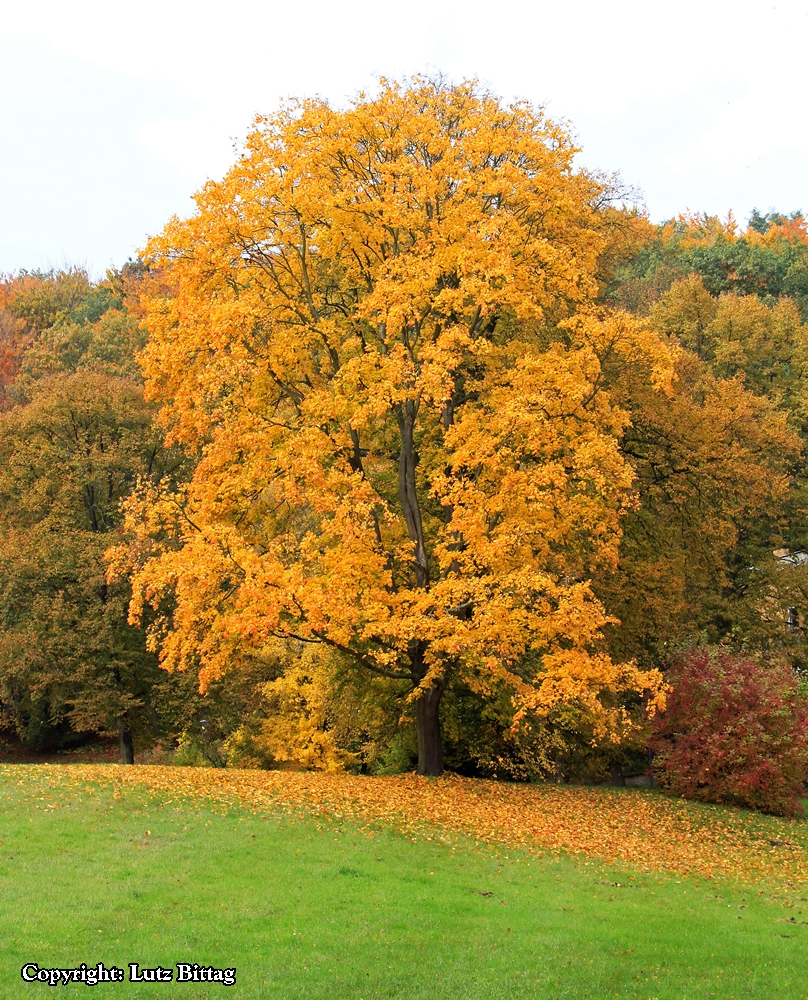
(306,910)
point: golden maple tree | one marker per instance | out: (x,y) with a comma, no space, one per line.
(395,463)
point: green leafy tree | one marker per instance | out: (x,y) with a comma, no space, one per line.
(67,655)
(76,435)
(769,260)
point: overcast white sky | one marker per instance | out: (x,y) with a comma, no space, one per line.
(113,114)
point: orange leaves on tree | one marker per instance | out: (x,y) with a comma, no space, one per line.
(395,464)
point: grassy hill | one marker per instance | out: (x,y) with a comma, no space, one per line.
(318,886)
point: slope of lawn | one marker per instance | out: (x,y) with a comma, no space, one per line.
(258,872)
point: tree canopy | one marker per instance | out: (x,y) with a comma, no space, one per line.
(395,463)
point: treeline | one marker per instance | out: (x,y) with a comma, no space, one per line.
(711,550)
(691,355)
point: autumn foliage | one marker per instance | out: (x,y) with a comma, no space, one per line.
(734,731)
(415,445)
(397,464)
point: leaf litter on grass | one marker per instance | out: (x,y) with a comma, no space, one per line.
(641,829)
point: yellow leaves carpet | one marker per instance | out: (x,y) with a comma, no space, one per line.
(635,827)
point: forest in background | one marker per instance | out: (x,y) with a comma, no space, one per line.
(698,333)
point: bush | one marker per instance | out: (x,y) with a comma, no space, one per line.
(734,731)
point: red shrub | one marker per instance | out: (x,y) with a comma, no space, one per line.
(734,731)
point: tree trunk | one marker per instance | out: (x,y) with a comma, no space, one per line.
(125,741)
(430,745)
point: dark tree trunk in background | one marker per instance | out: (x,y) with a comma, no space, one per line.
(430,746)
(125,741)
